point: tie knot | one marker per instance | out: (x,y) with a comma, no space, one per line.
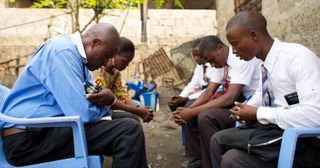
(263,69)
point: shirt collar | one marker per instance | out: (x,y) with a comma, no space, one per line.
(272,55)
(207,64)
(229,59)
(76,39)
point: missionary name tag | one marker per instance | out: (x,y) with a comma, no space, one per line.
(292,98)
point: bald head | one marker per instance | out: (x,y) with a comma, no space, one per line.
(249,20)
(248,35)
(104,31)
(101,42)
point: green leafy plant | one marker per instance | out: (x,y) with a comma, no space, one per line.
(158,3)
(49,4)
(106,4)
(178,3)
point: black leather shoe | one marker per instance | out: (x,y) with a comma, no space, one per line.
(193,164)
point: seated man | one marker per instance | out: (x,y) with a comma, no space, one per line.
(52,84)
(205,116)
(289,96)
(197,85)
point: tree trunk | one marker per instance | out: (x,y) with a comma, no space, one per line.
(168,4)
(74,5)
(144,16)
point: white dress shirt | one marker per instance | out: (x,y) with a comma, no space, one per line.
(242,72)
(291,68)
(76,39)
(198,81)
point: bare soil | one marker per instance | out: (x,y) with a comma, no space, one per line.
(163,142)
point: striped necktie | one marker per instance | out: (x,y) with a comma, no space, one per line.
(267,94)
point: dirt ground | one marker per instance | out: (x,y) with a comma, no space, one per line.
(163,143)
(163,140)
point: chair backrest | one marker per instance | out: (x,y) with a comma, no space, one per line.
(80,160)
(137,88)
(4,92)
(3,160)
(289,142)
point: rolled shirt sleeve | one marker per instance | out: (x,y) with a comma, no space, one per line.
(194,83)
(302,74)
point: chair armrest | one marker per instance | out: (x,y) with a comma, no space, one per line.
(79,138)
(289,142)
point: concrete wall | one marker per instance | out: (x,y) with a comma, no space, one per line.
(167,28)
(225,10)
(2,3)
(294,21)
(289,20)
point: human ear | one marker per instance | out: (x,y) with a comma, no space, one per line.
(253,34)
(219,46)
(95,43)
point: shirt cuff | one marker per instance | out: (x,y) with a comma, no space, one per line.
(265,115)
(184,93)
(196,95)
(217,81)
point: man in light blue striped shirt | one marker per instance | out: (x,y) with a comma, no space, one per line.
(51,84)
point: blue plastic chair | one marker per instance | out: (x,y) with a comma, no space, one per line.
(137,88)
(150,100)
(151,87)
(182,135)
(81,158)
(289,142)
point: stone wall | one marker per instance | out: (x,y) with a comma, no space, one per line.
(2,3)
(167,29)
(225,10)
(289,20)
(294,21)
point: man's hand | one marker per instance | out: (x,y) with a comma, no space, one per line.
(243,113)
(104,97)
(182,115)
(145,113)
(177,119)
(177,101)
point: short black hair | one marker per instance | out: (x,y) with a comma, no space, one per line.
(126,46)
(249,20)
(195,44)
(209,43)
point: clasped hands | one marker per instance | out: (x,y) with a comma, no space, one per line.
(106,97)
(177,101)
(243,113)
(145,113)
(182,115)
(240,112)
